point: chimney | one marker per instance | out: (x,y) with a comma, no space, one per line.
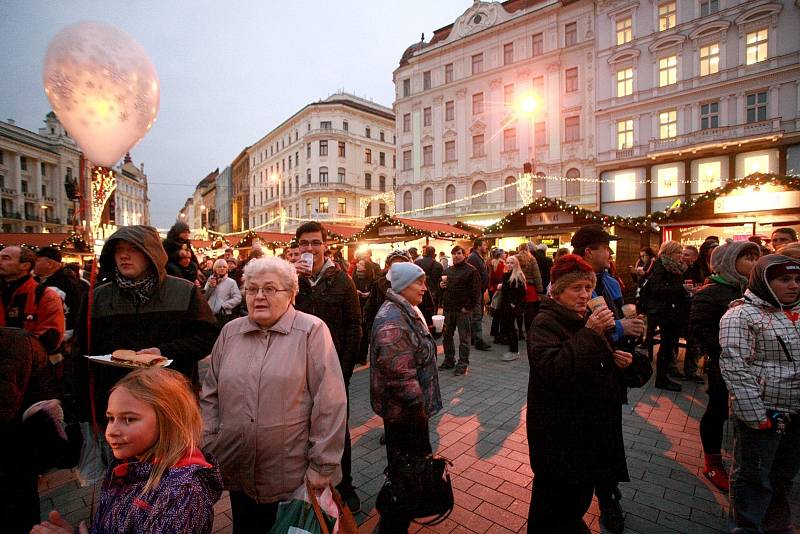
(127,158)
(12,122)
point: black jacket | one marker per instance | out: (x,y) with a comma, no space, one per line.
(545,264)
(477,261)
(334,300)
(433,273)
(666,299)
(512,297)
(574,418)
(463,287)
(708,307)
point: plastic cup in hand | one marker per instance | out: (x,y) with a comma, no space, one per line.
(629,311)
(308,259)
(438,322)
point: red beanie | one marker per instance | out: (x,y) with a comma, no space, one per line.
(568,269)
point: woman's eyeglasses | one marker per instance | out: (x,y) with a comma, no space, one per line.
(266,291)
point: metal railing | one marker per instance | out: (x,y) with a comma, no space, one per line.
(12,215)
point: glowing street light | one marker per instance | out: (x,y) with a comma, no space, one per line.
(528,104)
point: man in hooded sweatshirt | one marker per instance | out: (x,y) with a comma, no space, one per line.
(760,339)
(143,309)
(732,263)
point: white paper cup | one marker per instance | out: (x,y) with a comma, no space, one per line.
(438,322)
(595,303)
(629,311)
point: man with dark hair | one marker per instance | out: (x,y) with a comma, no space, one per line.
(545,264)
(292,252)
(461,285)
(433,276)
(479,250)
(328,293)
(591,242)
(413,254)
(25,304)
(689,257)
(783,236)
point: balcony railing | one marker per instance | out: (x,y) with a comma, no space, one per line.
(11,215)
(717,135)
(30,196)
(32,217)
(7,191)
(49,199)
(52,220)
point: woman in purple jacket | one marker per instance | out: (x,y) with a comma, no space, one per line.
(161,482)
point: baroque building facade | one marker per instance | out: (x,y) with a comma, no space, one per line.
(131,204)
(34,168)
(324,162)
(461,126)
(691,95)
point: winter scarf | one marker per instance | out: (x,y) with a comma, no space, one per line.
(139,290)
(675,267)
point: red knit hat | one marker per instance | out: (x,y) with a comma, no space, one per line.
(567,269)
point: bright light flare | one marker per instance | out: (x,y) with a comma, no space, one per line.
(528,104)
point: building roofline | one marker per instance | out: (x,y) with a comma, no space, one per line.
(32,138)
(385,112)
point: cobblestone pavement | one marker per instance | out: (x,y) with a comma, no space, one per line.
(482,430)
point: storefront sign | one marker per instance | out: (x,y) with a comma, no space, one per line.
(391,230)
(548,217)
(757,201)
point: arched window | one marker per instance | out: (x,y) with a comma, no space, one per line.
(510,192)
(479,187)
(407,201)
(368,211)
(539,185)
(382,183)
(573,188)
(428,197)
(450,193)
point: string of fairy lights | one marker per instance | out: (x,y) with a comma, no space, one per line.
(74,242)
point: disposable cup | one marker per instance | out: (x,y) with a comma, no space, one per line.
(629,311)
(595,303)
(308,259)
(438,322)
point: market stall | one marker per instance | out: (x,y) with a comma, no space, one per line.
(73,247)
(755,205)
(553,222)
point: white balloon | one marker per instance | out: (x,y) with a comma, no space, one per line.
(103,88)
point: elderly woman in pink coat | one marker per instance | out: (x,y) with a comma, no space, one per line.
(273,400)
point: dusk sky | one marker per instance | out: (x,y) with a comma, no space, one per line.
(230,71)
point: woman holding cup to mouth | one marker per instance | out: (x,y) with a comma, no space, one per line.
(575,392)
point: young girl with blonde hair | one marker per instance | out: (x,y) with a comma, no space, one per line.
(160,482)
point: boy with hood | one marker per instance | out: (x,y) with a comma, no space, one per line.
(760,339)
(142,308)
(732,262)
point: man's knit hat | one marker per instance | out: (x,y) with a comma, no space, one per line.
(402,274)
(567,269)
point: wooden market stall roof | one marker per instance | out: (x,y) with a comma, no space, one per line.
(547,212)
(66,242)
(340,233)
(780,204)
(388,229)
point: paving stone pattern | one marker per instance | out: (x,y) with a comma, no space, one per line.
(482,430)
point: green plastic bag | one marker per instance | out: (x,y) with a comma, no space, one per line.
(298,517)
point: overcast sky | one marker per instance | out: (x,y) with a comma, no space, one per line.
(230,71)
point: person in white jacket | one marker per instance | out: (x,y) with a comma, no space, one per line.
(222,293)
(760,363)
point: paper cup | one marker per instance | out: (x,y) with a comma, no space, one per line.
(438,322)
(595,303)
(629,311)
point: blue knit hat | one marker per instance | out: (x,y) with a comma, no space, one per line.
(403,274)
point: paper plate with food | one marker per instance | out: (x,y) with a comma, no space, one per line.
(130,359)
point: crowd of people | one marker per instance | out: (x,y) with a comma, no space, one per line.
(285,334)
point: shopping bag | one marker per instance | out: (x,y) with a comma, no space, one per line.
(302,515)
(346,524)
(91,466)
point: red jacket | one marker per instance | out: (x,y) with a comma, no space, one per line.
(46,315)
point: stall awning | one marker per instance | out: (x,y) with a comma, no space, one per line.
(66,242)
(339,233)
(388,229)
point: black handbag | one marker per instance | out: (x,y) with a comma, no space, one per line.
(417,486)
(638,373)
